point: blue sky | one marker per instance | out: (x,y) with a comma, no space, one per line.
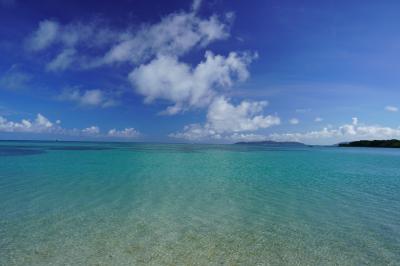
(219,71)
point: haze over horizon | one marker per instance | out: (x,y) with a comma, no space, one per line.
(207,71)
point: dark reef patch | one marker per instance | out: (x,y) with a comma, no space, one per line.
(78,148)
(19,152)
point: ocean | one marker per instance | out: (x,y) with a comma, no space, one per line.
(86,203)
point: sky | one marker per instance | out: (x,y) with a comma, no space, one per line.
(218,71)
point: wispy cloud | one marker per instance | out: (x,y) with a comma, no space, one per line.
(391,108)
(88,98)
(294,121)
(62,61)
(15,79)
(174,35)
(45,35)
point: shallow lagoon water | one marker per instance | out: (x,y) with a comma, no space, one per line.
(163,204)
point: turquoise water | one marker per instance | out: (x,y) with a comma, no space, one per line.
(153,204)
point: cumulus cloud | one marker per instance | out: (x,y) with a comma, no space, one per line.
(318,119)
(42,124)
(39,125)
(168,79)
(93,130)
(225,119)
(294,121)
(354,121)
(125,133)
(196,132)
(88,97)
(346,132)
(390,108)
(327,135)
(155,52)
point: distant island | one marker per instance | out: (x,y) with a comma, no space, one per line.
(270,142)
(393,143)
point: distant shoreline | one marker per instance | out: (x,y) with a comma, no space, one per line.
(393,143)
(270,142)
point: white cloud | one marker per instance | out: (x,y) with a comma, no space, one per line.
(318,119)
(390,108)
(294,121)
(236,137)
(93,130)
(196,5)
(155,49)
(39,125)
(225,119)
(72,43)
(88,97)
(14,79)
(346,132)
(159,74)
(92,34)
(44,36)
(62,61)
(196,132)
(174,35)
(327,135)
(167,78)
(354,120)
(125,133)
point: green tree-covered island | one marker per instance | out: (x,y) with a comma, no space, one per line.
(392,143)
